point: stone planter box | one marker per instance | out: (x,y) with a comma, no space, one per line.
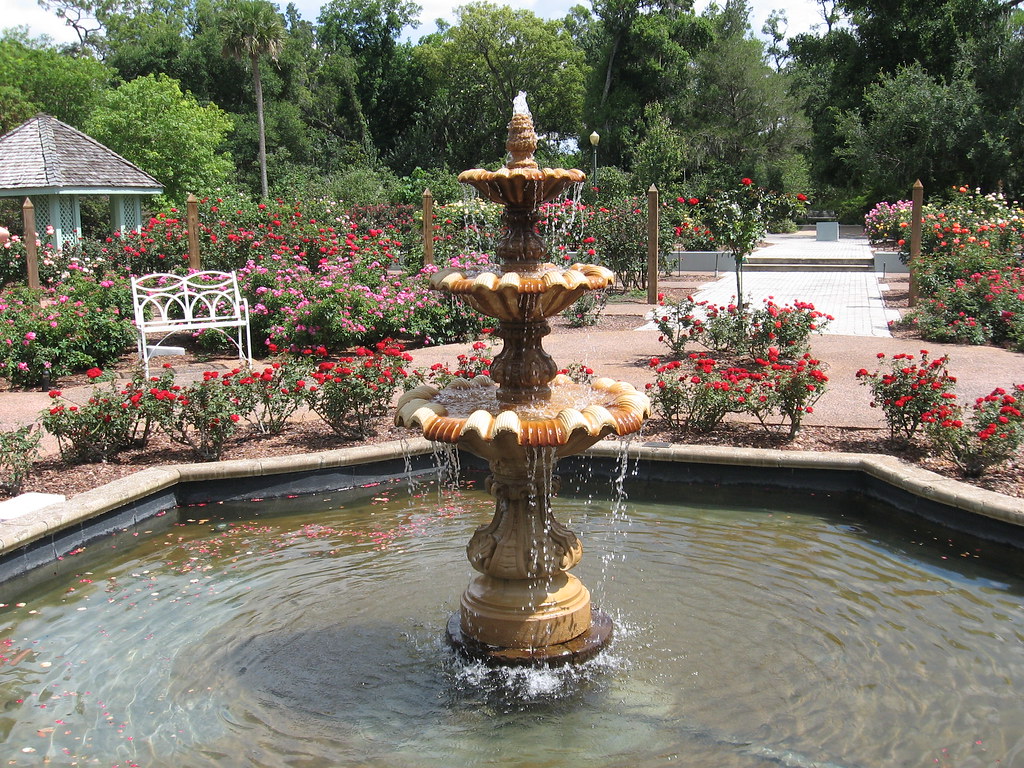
(889,263)
(826,231)
(701,261)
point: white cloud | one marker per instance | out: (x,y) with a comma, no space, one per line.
(802,15)
(27,13)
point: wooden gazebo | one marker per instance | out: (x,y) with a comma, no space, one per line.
(53,164)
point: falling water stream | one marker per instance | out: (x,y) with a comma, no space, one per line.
(758,630)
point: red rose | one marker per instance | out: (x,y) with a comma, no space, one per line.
(746,182)
(94,373)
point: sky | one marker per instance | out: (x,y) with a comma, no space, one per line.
(803,15)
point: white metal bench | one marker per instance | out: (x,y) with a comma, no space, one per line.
(168,304)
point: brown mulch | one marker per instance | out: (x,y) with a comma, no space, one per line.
(53,475)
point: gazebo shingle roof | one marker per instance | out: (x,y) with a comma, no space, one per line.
(44,155)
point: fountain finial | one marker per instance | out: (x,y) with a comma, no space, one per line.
(522,139)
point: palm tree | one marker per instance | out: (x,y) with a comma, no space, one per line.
(253,29)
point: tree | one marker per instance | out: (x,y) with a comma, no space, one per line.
(84,17)
(947,40)
(360,39)
(739,113)
(477,67)
(642,51)
(774,29)
(661,155)
(253,29)
(912,126)
(38,78)
(164,131)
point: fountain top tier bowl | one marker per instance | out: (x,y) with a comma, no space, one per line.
(521,183)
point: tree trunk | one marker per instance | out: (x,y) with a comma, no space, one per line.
(739,282)
(608,71)
(258,84)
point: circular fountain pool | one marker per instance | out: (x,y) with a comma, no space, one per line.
(309,632)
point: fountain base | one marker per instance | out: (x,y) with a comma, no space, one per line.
(574,651)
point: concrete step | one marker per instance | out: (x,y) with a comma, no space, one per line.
(796,263)
(791,259)
(803,266)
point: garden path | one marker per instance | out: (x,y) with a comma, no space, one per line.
(854,299)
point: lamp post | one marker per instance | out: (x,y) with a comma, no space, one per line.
(595,139)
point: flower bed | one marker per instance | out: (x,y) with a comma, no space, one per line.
(970,273)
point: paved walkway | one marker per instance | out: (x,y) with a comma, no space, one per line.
(854,299)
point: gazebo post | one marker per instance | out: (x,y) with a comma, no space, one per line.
(28,212)
(125,213)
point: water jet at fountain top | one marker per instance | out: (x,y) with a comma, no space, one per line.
(519,105)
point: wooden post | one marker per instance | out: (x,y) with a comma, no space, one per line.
(428,227)
(652,245)
(917,201)
(28,213)
(192,228)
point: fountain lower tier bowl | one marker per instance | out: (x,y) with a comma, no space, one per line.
(576,416)
(550,291)
(523,187)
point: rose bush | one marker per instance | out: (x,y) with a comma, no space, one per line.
(970,275)
(739,219)
(730,329)
(18,449)
(991,434)
(350,393)
(203,415)
(114,417)
(275,393)
(52,332)
(697,394)
(908,390)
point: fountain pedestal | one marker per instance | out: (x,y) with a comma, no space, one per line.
(523,597)
(524,607)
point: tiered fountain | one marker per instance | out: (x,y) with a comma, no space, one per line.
(524,607)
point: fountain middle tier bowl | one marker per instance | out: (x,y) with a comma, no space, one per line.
(522,187)
(576,416)
(553,289)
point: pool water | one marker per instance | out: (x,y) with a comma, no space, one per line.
(309,632)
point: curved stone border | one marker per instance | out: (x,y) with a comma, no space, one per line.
(51,531)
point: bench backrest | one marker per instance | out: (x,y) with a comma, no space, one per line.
(195,301)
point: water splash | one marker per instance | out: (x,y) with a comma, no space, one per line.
(448,463)
(519,105)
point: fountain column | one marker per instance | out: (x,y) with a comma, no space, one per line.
(523,606)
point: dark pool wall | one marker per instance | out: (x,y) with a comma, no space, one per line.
(302,483)
(850,488)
